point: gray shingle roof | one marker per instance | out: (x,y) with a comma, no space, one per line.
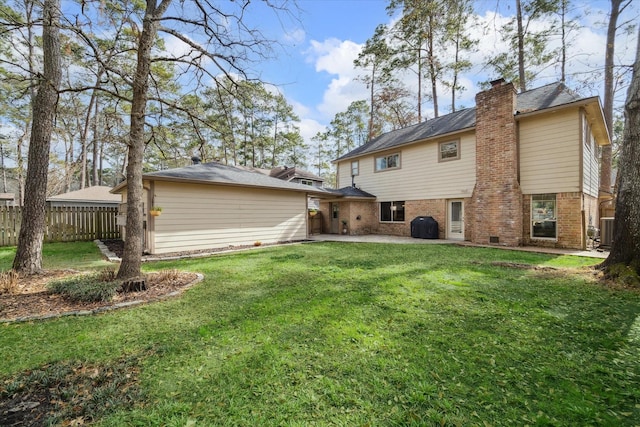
(353,192)
(551,95)
(224,174)
(439,126)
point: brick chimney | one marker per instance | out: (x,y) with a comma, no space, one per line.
(497,198)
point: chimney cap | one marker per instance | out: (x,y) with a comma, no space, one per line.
(195,160)
(497,82)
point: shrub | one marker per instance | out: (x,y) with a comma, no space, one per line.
(162,276)
(8,282)
(86,287)
(106,275)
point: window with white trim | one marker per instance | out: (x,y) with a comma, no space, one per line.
(306,182)
(543,216)
(355,168)
(391,211)
(390,161)
(449,150)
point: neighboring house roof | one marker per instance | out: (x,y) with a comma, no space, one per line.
(95,194)
(287,174)
(542,98)
(217,173)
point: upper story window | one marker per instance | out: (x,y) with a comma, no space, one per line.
(449,150)
(306,182)
(390,161)
(355,168)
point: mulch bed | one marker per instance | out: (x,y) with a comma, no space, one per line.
(32,300)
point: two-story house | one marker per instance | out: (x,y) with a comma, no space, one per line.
(518,169)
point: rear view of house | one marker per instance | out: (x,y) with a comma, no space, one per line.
(518,169)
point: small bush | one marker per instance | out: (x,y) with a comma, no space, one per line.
(106,275)
(8,282)
(85,288)
(162,276)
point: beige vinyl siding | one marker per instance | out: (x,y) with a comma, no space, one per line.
(197,216)
(420,175)
(550,153)
(591,172)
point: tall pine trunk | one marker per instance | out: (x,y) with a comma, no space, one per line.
(522,76)
(606,158)
(132,252)
(28,258)
(625,248)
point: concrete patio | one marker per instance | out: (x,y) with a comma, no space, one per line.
(373,238)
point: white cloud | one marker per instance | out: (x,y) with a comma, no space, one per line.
(295,37)
(336,57)
(310,128)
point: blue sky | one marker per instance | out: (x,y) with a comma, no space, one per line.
(314,68)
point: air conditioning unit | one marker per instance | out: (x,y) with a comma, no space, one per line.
(606,231)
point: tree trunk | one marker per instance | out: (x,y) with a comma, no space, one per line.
(372,96)
(563,48)
(4,171)
(132,252)
(433,69)
(28,258)
(606,159)
(625,248)
(96,146)
(521,74)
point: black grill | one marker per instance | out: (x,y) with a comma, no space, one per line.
(424,227)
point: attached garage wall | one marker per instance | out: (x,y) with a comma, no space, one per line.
(197,216)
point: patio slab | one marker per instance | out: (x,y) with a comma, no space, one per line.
(375,238)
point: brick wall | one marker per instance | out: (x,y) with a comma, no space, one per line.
(571,223)
(497,198)
(435,208)
(362,217)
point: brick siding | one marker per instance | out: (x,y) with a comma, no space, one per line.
(496,199)
(571,224)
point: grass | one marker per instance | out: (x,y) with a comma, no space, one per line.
(363,334)
(75,255)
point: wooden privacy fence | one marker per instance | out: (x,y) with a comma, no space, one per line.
(64,224)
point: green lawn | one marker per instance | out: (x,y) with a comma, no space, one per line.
(356,334)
